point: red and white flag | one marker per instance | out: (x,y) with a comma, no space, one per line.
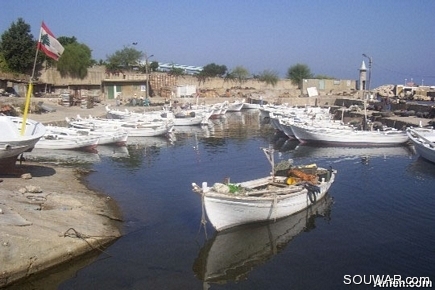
(49,44)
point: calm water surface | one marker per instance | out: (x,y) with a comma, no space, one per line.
(379,216)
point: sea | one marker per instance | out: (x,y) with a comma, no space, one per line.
(376,226)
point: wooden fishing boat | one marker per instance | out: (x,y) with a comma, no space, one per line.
(284,193)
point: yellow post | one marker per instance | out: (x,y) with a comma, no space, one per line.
(26,108)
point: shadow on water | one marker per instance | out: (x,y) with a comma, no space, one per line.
(52,278)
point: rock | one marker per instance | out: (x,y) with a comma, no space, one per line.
(31,189)
(26,176)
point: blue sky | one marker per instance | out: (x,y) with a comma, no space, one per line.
(329,36)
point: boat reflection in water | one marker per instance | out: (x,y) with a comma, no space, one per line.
(143,142)
(313,151)
(63,156)
(231,254)
(113,151)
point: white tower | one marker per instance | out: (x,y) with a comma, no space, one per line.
(362,77)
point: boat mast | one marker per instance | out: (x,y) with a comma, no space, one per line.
(269,152)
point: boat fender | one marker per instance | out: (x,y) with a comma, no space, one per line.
(312,190)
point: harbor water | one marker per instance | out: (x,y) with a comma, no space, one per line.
(377,219)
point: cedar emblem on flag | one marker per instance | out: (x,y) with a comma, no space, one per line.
(49,44)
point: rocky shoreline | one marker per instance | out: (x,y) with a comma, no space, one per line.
(49,217)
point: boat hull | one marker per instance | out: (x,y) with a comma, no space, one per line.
(424,143)
(225,211)
(71,144)
(348,137)
(12,143)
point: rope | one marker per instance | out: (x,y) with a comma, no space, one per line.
(275,201)
(203,218)
(72,233)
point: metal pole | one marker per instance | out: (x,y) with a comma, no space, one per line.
(148,77)
(147,72)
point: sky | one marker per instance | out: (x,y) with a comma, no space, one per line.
(329,36)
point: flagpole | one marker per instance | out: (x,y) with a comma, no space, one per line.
(30,89)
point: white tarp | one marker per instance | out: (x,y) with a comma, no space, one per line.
(185,91)
(312,92)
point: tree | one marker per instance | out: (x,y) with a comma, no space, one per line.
(269,77)
(125,58)
(239,73)
(64,40)
(213,70)
(154,66)
(18,47)
(75,60)
(210,71)
(324,77)
(3,64)
(298,72)
(176,71)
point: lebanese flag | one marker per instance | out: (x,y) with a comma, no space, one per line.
(49,44)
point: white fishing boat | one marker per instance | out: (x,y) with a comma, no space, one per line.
(134,128)
(177,116)
(13,143)
(187,118)
(347,136)
(250,106)
(285,192)
(62,142)
(218,110)
(225,257)
(423,141)
(148,130)
(235,106)
(117,114)
(105,137)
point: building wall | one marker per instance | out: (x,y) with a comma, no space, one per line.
(52,76)
(165,85)
(329,86)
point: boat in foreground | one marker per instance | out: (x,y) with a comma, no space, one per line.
(287,191)
(423,141)
(13,143)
